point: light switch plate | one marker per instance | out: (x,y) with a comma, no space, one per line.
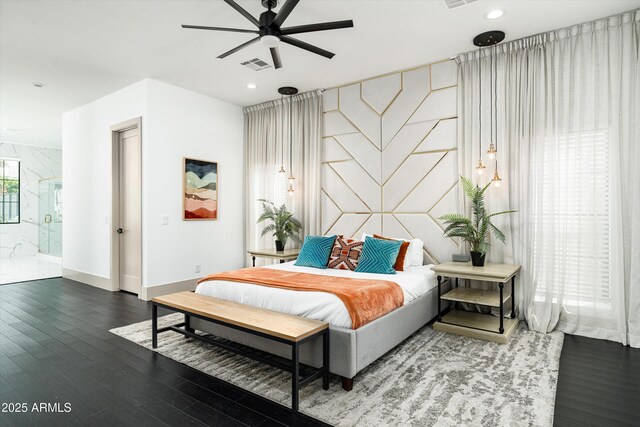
(197,268)
(165,219)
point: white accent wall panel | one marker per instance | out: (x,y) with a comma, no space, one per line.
(390,160)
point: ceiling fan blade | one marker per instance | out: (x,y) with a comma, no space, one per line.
(242,46)
(307,46)
(243,12)
(275,55)
(317,27)
(284,12)
(234,30)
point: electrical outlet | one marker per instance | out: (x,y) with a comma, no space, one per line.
(165,219)
(197,268)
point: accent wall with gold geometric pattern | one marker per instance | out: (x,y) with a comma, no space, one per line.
(389,157)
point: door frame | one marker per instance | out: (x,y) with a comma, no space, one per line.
(115,199)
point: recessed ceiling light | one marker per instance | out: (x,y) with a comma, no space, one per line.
(251,85)
(494,14)
(38,84)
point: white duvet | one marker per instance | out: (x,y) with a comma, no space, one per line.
(324,306)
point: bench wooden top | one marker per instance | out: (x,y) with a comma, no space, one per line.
(281,325)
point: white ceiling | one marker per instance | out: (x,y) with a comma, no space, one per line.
(85,49)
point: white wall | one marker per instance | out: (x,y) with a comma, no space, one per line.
(86,174)
(186,124)
(36,163)
(176,123)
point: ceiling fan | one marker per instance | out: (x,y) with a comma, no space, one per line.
(270,33)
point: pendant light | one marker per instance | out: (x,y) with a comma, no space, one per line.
(290,91)
(489,38)
(282,172)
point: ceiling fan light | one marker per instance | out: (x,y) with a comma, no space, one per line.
(269,41)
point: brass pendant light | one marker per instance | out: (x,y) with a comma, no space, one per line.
(489,38)
(290,91)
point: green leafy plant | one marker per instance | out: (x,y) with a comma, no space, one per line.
(283,226)
(474,230)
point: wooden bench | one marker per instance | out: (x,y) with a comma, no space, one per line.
(284,328)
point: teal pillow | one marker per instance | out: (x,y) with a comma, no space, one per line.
(378,256)
(315,251)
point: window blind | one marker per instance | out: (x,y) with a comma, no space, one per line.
(573,217)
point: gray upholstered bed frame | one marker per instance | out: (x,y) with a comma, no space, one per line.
(351,350)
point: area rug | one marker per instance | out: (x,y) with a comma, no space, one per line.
(432,379)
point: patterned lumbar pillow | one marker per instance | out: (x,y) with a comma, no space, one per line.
(345,254)
(378,256)
(315,251)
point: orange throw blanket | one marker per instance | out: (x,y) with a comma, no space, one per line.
(366,300)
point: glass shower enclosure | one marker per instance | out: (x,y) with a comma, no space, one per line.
(50,216)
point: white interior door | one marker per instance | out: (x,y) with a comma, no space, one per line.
(130,227)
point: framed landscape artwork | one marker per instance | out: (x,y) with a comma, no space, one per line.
(200,196)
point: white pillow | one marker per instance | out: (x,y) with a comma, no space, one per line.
(415,253)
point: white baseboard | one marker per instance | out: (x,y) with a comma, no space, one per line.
(89,279)
(147,293)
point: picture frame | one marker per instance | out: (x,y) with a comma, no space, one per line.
(199,190)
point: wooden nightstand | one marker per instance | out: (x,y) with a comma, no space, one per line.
(271,253)
(477,325)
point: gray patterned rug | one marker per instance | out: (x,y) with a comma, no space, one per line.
(432,379)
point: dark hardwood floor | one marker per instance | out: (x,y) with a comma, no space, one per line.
(55,348)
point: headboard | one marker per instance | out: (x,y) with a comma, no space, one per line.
(389,157)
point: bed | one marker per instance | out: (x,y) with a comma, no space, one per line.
(352,350)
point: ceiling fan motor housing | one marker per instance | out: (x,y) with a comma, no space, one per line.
(269,4)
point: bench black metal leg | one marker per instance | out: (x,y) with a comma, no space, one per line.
(325,359)
(295,375)
(501,330)
(254,260)
(154,326)
(187,323)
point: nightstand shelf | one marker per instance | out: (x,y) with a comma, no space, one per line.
(476,325)
(476,296)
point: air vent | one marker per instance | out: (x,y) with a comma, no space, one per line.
(256,64)
(452,4)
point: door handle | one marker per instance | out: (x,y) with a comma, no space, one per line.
(120,231)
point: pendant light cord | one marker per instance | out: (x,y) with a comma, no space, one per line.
(282,136)
(495,100)
(290,138)
(480,103)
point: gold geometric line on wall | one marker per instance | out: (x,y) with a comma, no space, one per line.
(442,150)
(442,197)
(336,161)
(332,201)
(340,134)
(413,151)
(359,130)
(355,234)
(354,159)
(349,187)
(388,104)
(419,182)
(413,237)
(409,116)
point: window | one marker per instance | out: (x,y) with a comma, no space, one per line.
(572,220)
(10,191)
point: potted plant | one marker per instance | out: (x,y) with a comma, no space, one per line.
(474,230)
(283,227)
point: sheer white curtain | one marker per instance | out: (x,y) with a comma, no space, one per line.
(266,127)
(568,134)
